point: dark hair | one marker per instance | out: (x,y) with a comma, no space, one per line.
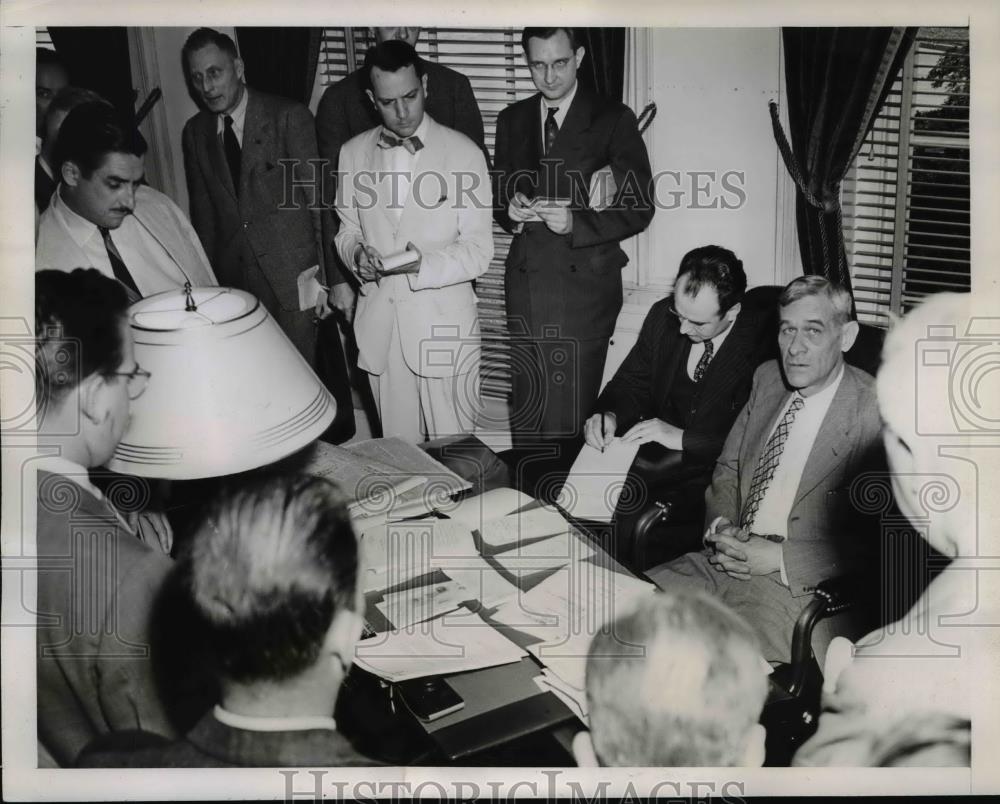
(203,37)
(718,268)
(44,55)
(93,130)
(267,571)
(69,98)
(77,329)
(390,56)
(548,33)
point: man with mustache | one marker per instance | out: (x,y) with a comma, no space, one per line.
(103,216)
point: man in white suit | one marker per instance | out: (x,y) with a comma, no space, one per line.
(413,184)
(103,216)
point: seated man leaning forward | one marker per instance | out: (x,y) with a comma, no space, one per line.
(96,650)
(691,697)
(779,510)
(684,382)
(272,579)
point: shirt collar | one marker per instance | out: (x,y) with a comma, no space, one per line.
(258,723)
(238,114)
(71,470)
(420,133)
(826,395)
(564,104)
(80,229)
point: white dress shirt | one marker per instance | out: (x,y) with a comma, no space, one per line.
(136,245)
(398,161)
(698,349)
(239,115)
(257,723)
(562,106)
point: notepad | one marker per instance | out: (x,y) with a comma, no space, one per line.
(596,480)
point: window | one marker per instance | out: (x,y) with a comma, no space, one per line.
(906,199)
(491,58)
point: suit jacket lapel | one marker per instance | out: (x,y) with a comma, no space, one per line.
(832,438)
(577,121)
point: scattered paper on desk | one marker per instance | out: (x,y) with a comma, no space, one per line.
(522,526)
(596,480)
(483,582)
(552,553)
(399,551)
(451,644)
(493,504)
(362,478)
(410,606)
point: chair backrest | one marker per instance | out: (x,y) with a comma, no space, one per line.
(865,354)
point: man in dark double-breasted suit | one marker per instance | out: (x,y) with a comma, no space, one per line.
(563,280)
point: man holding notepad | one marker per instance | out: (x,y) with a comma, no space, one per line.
(414,203)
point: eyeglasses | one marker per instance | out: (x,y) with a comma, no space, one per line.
(682,319)
(136,380)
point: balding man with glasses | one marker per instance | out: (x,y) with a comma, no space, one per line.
(680,388)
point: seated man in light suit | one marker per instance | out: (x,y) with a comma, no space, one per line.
(923,667)
(691,697)
(779,512)
(271,575)
(413,182)
(103,216)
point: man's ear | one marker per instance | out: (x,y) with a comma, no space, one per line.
(423,80)
(93,401)
(343,634)
(583,750)
(753,756)
(371,97)
(848,335)
(733,311)
(71,173)
(580,53)
(238,64)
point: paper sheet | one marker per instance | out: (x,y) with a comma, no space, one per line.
(451,644)
(552,553)
(596,480)
(493,504)
(516,528)
(395,262)
(396,552)
(483,582)
(403,609)
(360,476)
(310,289)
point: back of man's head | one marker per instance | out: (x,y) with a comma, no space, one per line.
(269,569)
(692,697)
(718,268)
(390,56)
(78,320)
(93,130)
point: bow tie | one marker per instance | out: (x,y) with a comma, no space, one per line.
(411,144)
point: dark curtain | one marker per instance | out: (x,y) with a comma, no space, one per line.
(837,80)
(603,68)
(97,59)
(281,61)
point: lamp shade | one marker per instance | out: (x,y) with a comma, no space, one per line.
(228,392)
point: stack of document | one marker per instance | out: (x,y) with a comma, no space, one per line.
(450,644)
(395,552)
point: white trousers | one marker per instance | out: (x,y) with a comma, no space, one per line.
(414,407)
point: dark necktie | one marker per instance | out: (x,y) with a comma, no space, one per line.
(706,357)
(411,144)
(551,128)
(118,266)
(233,151)
(769,460)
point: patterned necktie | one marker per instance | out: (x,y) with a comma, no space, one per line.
(411,144)
(702,367)
(234,154)
(551,128)
(121,272)
(769,461)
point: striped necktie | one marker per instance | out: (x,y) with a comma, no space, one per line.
(768,463)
